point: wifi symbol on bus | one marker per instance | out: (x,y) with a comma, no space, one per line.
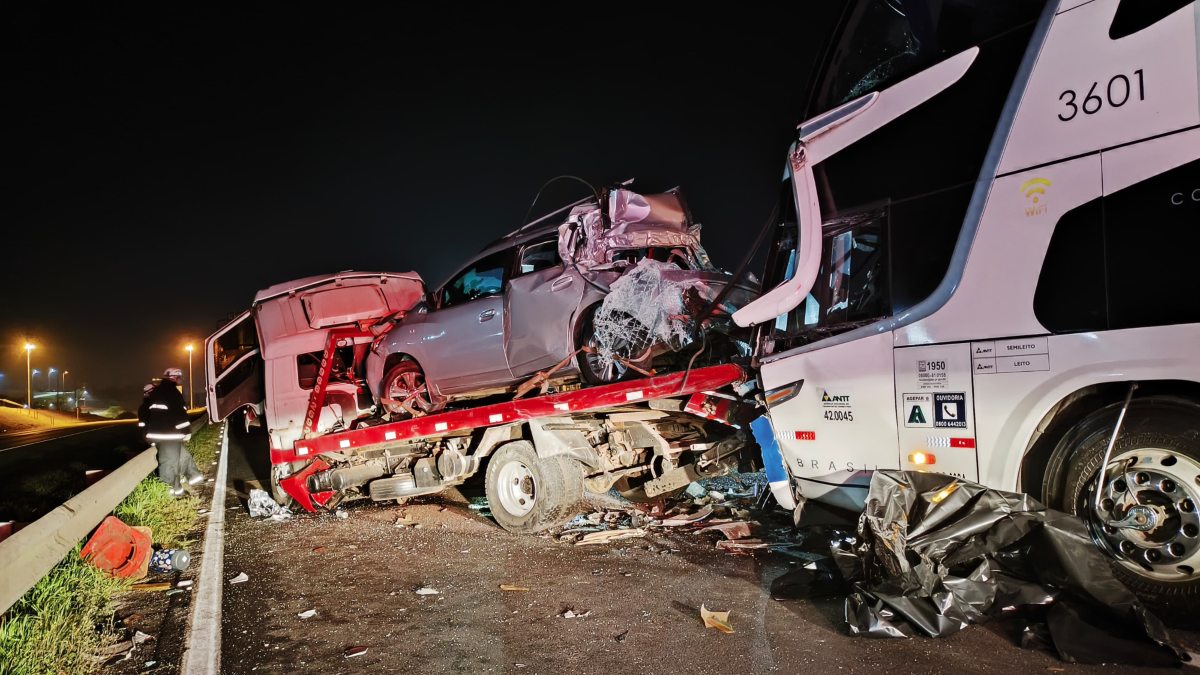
(1034,189)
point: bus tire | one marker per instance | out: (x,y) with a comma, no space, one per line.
(1160,439)
(527,493)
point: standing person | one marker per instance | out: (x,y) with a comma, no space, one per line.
(166,427)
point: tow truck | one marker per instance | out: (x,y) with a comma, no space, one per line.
(293,362)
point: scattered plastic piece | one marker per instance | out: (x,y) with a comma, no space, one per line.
(184,583)
(605,536)
(142,638)
(718,620)
(357,650)
(512,588)
(166,560)
(426,590)
(695,490)
(734,530)
(241,578)
(307,614)
(162,586)
(572,614)
(342,513)
(688,518)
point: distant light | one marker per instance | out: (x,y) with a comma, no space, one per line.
(36,371)
(29,346)
(53,371)
(188,347)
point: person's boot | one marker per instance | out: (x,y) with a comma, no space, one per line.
(177,488)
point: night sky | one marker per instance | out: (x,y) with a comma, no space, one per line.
(167,162)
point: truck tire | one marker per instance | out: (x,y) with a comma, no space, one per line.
(278,473)
(528,494)
(1160,445)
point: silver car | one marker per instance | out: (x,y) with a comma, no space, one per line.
(527,304)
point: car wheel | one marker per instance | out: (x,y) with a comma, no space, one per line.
(528,494)
(595,368)
(1148,518)
(399,383)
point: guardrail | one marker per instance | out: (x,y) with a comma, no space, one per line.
(32,552)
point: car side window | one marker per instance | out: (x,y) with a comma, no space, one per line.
(538,256)
(482,279)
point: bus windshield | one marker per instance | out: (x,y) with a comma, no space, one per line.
(893,203)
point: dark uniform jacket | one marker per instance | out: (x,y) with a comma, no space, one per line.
(165,413)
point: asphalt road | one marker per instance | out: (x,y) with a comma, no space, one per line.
(360,575)
(19,439)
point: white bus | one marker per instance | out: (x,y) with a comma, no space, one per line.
(988,247)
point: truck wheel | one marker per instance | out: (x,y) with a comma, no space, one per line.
(398,384)
(278,473)
(528,494)
(1149,513)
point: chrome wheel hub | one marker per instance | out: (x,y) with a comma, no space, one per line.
(1148,515)
(516,488)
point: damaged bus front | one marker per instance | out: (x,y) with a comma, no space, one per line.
(986,268)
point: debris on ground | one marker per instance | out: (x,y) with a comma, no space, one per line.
(731,530)
(688,518)
(356,650)
(307,614)
(184,583)
(342,514)
(933,554)
(119,549)
(241,578)
(513,589)
(157,586)
(605,536)
(140,638)
(620,637)
(261,505)
(718,620)
(570,613)
(426,590)
(405,520)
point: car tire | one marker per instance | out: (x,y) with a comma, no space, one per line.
(590,366)
(527,493)
(1160,441)
(409,372)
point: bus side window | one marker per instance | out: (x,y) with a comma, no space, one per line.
(1125,260)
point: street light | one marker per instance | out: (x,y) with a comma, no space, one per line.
(29,346)
(191,389)
(62,385)
(50,377)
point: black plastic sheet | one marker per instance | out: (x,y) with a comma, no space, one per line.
(935,553)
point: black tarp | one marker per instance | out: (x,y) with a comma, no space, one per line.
(935,553)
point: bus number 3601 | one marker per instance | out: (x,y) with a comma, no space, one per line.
(1117,93)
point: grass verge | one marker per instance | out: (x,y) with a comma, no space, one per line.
(62,622)
(203,445)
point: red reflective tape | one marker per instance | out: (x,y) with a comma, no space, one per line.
(806,435)
(962,442)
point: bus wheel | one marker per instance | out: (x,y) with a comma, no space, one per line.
(1148,516)
(528,494)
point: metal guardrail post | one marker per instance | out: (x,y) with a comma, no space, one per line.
(31,553)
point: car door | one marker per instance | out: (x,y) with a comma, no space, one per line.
(464,346)
(541,299)
(233,367)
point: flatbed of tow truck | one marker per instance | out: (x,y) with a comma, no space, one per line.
(666,429)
